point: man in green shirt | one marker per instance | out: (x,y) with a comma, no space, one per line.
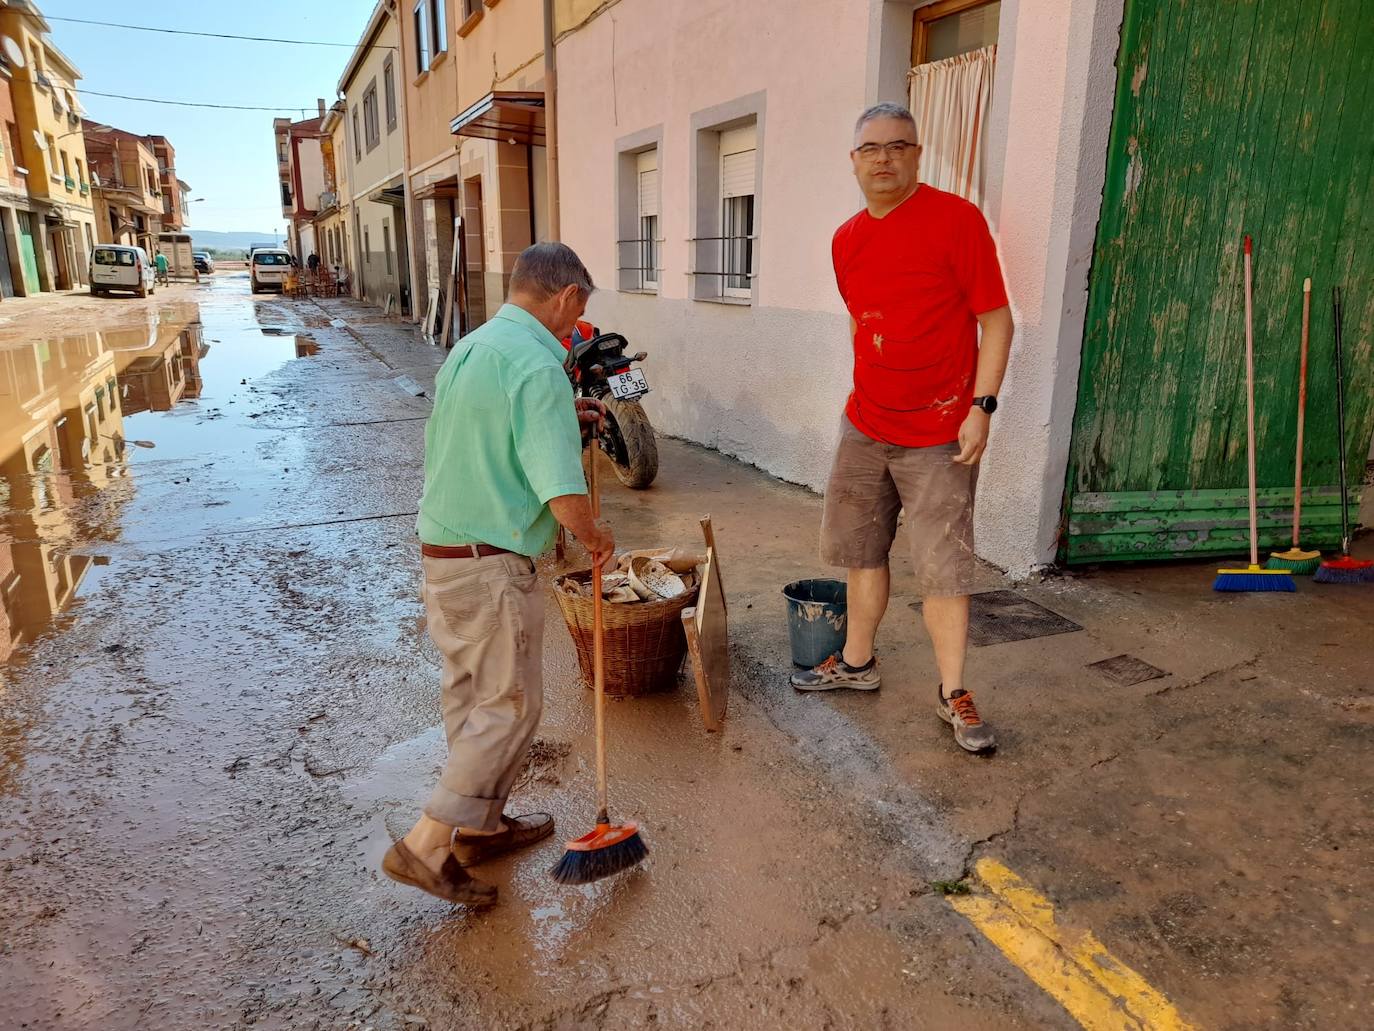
(161,262)
(503,468)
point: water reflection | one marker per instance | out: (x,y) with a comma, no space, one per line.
(63,402)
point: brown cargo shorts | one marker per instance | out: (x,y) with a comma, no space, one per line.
(871,482)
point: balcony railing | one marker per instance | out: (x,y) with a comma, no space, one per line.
(69,182)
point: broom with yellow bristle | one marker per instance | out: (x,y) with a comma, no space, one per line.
(1295,560)
(1254,577)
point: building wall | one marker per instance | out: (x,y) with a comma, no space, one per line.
(764,381)
(385,161)
(503,50)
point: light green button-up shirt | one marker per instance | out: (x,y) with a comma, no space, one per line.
(503,439)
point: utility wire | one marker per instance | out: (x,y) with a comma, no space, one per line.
(192,103)
(212,35)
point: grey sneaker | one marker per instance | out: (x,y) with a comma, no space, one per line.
(835,672)
(971,733)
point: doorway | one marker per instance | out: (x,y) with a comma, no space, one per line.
(475,272)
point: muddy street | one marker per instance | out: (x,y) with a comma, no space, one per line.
(219,706)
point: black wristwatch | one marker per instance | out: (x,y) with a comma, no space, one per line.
(987,403)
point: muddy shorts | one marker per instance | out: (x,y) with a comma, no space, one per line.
(871,482)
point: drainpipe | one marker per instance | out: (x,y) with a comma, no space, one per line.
(551,119)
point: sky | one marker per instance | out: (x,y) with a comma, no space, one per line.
(228,157)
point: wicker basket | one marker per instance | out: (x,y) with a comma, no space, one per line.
(644,643)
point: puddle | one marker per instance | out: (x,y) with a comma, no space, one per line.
(79,411)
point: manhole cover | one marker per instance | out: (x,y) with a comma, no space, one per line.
(1125,670)
(999,617)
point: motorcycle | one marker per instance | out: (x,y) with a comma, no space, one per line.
(599,368)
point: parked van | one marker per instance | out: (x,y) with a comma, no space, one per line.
(269,269)
(117,267)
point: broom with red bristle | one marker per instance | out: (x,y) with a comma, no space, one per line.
(608,848)
(1342,570)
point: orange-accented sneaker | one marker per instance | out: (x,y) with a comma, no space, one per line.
(971,733)
(835,672)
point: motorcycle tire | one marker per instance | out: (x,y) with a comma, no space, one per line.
(633,437)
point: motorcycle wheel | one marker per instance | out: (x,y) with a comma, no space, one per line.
(631,447)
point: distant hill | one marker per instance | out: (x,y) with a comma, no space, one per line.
(208,238)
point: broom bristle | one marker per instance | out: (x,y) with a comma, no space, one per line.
(1344,570)
(1253,578)
(577,867)
(1296,561)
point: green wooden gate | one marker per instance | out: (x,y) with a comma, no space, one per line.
(28,255)
(1231,117)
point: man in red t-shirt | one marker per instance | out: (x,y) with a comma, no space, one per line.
(918,271)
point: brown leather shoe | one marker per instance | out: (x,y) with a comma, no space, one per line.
(471,849)
(452,883)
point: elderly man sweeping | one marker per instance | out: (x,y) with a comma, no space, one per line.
(503,468)
(931,331)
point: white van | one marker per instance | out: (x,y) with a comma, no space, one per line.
(269,268)
(117,267)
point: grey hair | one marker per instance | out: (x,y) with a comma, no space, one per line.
(887,109)
(546,268)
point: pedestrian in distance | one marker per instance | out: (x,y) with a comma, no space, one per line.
(313,262)
(503,469)
(160,260)
(931,332)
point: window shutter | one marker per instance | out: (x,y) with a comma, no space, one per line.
(647,166)
(737,158)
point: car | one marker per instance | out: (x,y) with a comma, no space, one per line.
(204,263)
(269,268)
(119,267)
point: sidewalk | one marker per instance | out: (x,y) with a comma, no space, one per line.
(201,766)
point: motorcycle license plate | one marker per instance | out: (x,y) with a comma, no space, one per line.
(628,385)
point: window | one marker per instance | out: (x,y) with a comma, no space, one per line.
(286,195)
(371,124)
(942,32)
(471,7)
(646,195)
(66,165)
(386,244)
(389,81)
(437,24)
(80,172)
(281,150)
(357,139)
(422,51)
(738,154)
(48,153)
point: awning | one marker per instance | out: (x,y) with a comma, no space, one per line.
(395,195)
(440,189)
(505,116)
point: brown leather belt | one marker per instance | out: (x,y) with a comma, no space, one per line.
(462,551)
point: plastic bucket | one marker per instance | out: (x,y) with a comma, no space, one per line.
(817,613)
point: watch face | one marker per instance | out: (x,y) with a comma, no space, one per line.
(987,404)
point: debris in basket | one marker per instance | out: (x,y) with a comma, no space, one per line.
(652,580)
(639,578)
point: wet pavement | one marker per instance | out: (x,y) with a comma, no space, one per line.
(219,705)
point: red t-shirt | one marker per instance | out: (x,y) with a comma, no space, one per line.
(915,282)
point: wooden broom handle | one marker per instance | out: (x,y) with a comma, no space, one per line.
(598,650)
(1250,407)
(1302,407)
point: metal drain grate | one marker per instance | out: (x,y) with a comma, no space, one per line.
(1125,670)
(1000,617)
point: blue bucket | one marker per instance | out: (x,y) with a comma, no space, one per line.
(817,614)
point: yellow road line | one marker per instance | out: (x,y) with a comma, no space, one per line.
(1098,990)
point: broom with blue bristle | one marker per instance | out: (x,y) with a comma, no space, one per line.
(1344,569)
(1254,577)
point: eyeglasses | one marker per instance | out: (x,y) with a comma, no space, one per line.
(895,149)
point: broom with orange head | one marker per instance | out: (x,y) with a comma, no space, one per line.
(609,848)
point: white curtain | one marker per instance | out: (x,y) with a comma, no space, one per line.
(951,100)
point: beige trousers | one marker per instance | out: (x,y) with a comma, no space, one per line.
(486,617)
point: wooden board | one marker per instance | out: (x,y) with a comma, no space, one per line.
(708,642)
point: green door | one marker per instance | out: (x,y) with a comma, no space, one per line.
(28,256)
(1231,117)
